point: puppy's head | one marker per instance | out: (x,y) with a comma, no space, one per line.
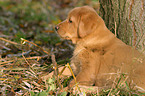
(81,21)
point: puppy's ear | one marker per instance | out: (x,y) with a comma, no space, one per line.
(88,23)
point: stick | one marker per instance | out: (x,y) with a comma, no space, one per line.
(56,70)
(24,40)
(35,57)
(9,41)
(73,77)
(62,71)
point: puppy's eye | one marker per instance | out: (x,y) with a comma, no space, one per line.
(70,21)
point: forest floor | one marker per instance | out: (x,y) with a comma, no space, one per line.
(29,47)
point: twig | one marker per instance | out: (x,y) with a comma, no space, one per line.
(7,62)
(19,54)
(62,71)
(35,57)
(56,70)
(24,40)
(26,60)
(73,76)
(31,68)
(9,41)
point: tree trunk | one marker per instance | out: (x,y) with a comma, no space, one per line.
(125,18)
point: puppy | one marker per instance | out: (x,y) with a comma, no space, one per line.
(99,56)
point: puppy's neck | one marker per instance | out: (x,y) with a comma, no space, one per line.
(100,38)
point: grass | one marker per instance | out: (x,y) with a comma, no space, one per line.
(19,19)
(27,75)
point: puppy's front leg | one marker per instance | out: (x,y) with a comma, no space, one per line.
(85,77)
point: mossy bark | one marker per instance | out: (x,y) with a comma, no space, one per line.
(125,18)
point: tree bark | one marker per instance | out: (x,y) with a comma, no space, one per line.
(125,18)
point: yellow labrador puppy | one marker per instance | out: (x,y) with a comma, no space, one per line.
(99,57)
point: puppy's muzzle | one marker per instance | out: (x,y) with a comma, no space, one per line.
(56,28)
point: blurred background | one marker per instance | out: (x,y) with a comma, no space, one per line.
(34,20)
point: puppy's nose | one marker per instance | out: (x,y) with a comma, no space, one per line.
(56,28)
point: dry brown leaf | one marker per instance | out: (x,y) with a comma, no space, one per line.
(66,72)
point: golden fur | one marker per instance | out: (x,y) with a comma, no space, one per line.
(99,56)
